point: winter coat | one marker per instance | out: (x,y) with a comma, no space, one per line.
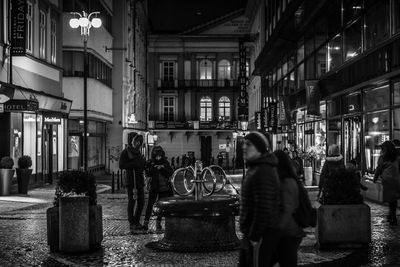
(390,176)
(132,160)
(260,198)
(290,201)
(333,162)
(159,178)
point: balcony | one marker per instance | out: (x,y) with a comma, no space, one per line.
(191,125)
(198,84)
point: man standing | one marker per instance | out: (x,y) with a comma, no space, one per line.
(260,203)
(133,162)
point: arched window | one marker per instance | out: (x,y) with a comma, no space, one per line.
(205,70)
(224,69)
(205,109)
(224,105)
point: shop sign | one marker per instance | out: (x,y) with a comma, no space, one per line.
(21,105)
(52,119)
(312,97)
(258,118)
(18,27)
(273,116)
(1,108)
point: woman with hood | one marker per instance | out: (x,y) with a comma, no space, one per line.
(388,171)
(159,170)
(333,161)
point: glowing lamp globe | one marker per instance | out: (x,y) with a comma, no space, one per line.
(96,22)
(74,23)
(83,22)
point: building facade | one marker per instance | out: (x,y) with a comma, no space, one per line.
(100,87)
(33,109)
(195,89)
(332,72)
(129,76)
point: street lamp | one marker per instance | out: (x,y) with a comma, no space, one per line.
(243,125)
(85,22)
(235,135)
(227,150)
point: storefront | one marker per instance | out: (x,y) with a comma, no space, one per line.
(34,124)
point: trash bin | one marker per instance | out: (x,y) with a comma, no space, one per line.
(6,176)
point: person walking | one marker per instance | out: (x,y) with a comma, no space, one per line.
(260,203)
(388,172)
(334,160)
(133,162)
(291,232)
(159,171)
(298,164)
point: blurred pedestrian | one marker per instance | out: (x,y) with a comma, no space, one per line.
(388,172)
(133,162)
(220,159)
(159,171)
(298,164)
(260,203)
(173,163)
(291,232)
(333,161)
(352,165)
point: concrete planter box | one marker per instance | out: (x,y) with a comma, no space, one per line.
(95,227)
(343,226)
(6,176)
(374,192)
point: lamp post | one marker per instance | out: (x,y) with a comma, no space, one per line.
(228,143)
(243,125)
(85,22)
(235,136)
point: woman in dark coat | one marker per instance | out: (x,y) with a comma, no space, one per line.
(291,232)
(260,204)
(388,171)
(159,171)
(334,160)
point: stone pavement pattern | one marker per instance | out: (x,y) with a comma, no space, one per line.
(23,241)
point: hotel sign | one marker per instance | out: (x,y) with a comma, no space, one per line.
(18,27)
(21,105)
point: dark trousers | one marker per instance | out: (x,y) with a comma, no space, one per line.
(392,211)
(153,197)
(134,214)
(267,250)
(287,251)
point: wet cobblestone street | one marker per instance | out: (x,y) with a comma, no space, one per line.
(23,242)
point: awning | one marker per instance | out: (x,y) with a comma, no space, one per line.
(47,102)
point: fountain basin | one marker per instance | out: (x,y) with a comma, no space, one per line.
(198,226)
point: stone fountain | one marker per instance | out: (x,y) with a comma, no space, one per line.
(199,219)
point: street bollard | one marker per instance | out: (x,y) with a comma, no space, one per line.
(112,183)
(118,180)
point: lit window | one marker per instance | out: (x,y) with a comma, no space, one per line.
(224,69)
(42,34)
(224,105)
(205,70)
(29,27)
(206,109)
(53,41)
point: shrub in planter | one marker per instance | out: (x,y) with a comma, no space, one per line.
(342,219)
(73,183)
(6,175)
(24,173)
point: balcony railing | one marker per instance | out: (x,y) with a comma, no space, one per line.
(198,83)
(191,125)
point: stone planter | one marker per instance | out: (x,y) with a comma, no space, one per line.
(343,226)
(308,175)
(6,176)
(95,227)
(374,192)
(23,177)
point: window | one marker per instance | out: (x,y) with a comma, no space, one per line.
(377,23)
(206,109)
(2,21)
(224,69)
(351,10)
(42,34)
(29,27)
(352,40)
(168,71)
(205,70)
(168,108)
(187,70)
(224,105)
(376,98)
(53,41)
(334,53)
(396,16)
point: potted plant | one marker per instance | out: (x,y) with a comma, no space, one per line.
(24,173)
(6,175)
(343,220)
(75,222)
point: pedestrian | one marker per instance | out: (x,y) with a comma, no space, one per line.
(291,232)
(177,162)
(298,164)
(352,165)
(388,172)
(133,162)
(286,150)
(160,172)
(220,159)
(260,203)
(173,163)
(333,161)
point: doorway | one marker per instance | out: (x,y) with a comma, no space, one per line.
(50,162)
(206,149)
(352,139)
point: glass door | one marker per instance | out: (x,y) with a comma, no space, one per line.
(352,139)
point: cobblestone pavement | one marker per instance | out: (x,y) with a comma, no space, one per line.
(23,241)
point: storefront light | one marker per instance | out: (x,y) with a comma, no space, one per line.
(375,120)
(155,137)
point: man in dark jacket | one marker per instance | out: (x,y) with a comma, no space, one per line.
(133,162)
(260,203)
